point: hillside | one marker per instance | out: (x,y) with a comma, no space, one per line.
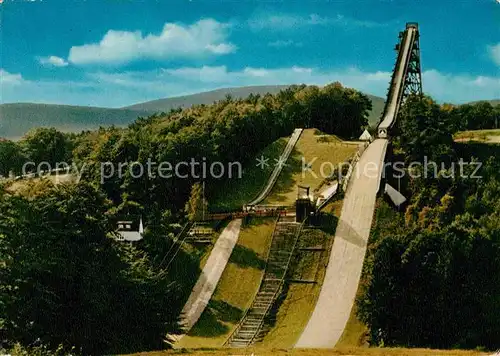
(239,92)
(493,102)
(207,97)
(17,119)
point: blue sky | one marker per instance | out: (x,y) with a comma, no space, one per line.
(114,53)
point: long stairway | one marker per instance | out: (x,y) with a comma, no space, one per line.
(252,327)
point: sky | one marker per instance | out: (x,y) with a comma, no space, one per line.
(114,53)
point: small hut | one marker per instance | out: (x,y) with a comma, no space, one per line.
(365,136)
(130,230)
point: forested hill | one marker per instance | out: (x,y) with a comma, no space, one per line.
(238,93)
(17,119)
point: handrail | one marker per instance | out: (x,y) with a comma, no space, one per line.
(238,326)
(282,279)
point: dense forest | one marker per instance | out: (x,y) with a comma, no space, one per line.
(66,283)
(432,272)
(432,275)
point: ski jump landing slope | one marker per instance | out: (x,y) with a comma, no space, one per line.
(277,169)
(339,288)
(209,278)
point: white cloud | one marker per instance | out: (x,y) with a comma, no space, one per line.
(126,88)
(495,53)
(460,88)
(284,43)
(287,21)
(53,61)
(284,21)
(205,74)
(7,78)
(205,37)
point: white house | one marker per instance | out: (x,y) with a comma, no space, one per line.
(129,231)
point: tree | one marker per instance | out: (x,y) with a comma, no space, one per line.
(196,205)
(46,145)
(65,280)
(425,130)
(476,116)
(11,158)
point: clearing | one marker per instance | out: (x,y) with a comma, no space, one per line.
(484,136)
(323,152)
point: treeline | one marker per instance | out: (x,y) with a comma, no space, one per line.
(432,273)
(39,145)
(227,131)
(66,282)
(477,116)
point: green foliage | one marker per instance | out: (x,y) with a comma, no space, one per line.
(11,158)
(65,281)
(432,273)
(476,116)
(230,130)
(46,145)
(424,130)
(19,350)
(196,205)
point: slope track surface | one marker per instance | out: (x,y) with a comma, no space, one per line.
(278,168)
(216,263)
(339,288)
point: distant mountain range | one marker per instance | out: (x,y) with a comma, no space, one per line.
(241,92)
(17,119)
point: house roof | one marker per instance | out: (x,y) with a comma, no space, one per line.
(365,136)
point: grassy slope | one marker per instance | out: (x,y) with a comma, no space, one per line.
(351,351)
(300,299)
(240,191)
(484,136)
(14,186)
(236,289)
(327,149)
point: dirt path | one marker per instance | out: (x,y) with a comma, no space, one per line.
(346,260)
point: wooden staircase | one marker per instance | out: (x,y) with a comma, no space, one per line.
(252,327)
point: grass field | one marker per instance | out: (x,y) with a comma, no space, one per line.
(327,149)
(236,289)
(324,152)
(33,183)
(300,299)
(485,136)
(237,192)
(351,351)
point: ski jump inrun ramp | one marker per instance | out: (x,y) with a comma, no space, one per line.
(340,285)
